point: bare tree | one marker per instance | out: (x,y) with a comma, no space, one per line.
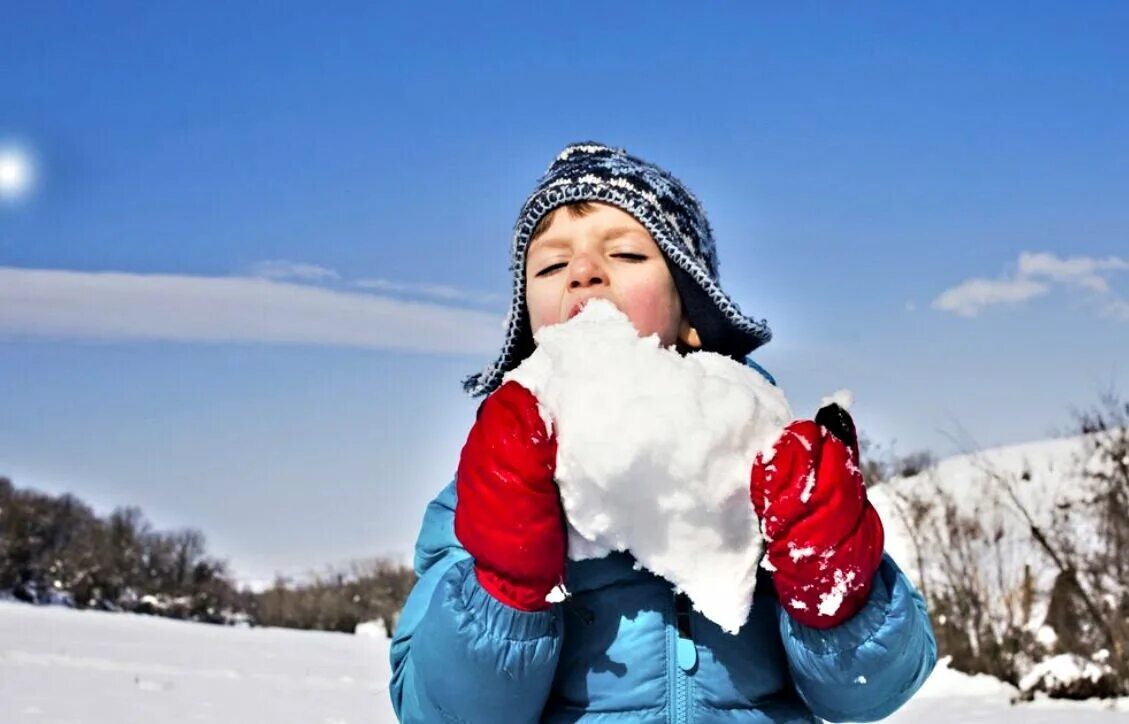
(1016,570)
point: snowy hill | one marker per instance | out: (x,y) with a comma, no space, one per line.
(1018,549)
(1040,471)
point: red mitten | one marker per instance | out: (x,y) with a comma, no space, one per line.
(823,538)
(508,514)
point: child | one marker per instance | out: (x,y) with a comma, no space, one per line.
(840,636)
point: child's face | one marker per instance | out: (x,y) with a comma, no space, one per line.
(604,254)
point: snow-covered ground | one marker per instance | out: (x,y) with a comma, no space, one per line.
(59,665)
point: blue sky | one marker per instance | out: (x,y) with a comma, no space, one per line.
(263,246)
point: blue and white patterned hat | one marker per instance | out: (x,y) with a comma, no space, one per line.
(675,219)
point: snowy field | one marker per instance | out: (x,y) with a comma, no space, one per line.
(58,665)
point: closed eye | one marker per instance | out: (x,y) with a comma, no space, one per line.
(625,255)
(551,268)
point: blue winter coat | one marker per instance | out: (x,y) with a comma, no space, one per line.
(613,651)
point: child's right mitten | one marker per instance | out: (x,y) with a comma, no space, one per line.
(508,515)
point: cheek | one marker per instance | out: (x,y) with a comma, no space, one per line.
(654,309)
(543,308)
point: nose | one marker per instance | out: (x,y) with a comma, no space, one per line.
(584,272)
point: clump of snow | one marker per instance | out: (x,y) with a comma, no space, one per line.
(557,595)
(830,602)
(843,398)
(1046,636)
(809,482)
(655,451)
(1068,676)
(373,629)
(798,554)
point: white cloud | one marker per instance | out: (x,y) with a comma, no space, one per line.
(1035,274)
(119,305)
(1077,270)
(283,269)
(969,297)
(435,291)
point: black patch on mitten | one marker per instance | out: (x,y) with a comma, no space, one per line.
(839,424)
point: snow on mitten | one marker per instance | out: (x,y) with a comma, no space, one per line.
(508,515)
(823,538)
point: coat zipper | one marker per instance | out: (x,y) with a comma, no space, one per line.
(685,658)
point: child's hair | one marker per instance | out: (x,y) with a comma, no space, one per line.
(575,210)
(591,172)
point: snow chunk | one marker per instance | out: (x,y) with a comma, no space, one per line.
(830,602)
(557,595)
(372,629)
(654,451)
(843,398)
(1069,676)
(809,485)
(798,554)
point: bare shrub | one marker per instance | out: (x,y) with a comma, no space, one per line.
(1018,567)
(337,600)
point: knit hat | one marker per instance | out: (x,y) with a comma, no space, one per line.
(666,208)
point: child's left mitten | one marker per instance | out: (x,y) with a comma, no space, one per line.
(508,514)
(823,538)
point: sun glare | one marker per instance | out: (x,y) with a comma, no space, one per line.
(17,173)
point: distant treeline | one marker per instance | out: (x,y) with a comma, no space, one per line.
(55,549)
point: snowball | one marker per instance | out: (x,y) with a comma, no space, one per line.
(654,452)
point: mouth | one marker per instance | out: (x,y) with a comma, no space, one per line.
(579,306)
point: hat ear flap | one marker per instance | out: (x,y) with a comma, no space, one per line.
(523,343)
(714,331)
